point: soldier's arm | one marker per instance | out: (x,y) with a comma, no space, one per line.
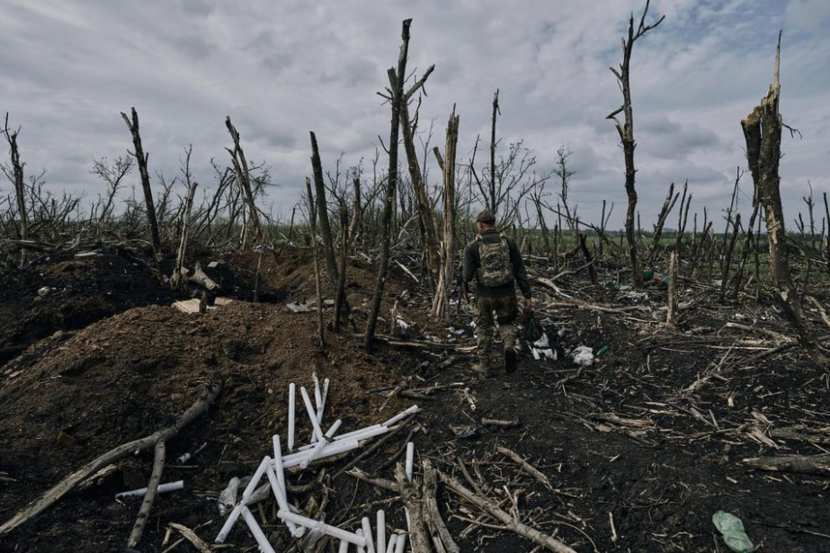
(519,270)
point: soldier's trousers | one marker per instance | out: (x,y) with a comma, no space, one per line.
(505,311)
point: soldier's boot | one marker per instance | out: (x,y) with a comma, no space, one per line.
(511,360)
(484,368)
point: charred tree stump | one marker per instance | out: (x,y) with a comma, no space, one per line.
(142,159)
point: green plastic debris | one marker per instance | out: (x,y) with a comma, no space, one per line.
(734,535)
(624,287)
(648,275)
(602,350)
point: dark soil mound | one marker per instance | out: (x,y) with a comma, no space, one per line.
(126,377)
(76,292)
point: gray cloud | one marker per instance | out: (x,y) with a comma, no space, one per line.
(282,69)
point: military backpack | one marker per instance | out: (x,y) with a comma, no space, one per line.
(496,268)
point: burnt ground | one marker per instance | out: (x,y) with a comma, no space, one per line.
(652,436)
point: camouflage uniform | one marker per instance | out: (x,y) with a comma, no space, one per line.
(500,299)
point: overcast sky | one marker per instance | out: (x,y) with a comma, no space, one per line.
(280,68)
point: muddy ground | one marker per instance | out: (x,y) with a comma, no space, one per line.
(642,439)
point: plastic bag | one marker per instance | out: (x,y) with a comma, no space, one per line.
(734,535)
(533,331)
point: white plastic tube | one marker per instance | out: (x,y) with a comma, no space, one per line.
(259,536)
(393,539)
(360,549)
(381,530)
(231,520)
(322,405)
(367,533)
(316,451)
(410,459)
(318,395)
(356,435)
(327,529)
(401,415)
(278,464)
(318,433)
(328,450)
(292,393)
(169,487)
(401,544)
(279,493)
(344,547)
(260,471)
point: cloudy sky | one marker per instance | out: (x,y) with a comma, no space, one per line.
(280,68)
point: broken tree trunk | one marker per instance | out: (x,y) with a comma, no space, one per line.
(178,277)
(438,531)
(398,78)
(243,180)
(668,205)
(323,211)
(112,456)
(19,187)
(425,211)
(441,300)
(142,159)
(762,131)
(340,296)
(493,194)
(312,222)
(671,314)
(626,132)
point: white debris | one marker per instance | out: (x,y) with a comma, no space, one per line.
(162,488)
(227,499)
(635,296)
(43,291)
(583,355)
(272,469)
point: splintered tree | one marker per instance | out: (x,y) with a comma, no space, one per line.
(397,78)
(243,180)
(447,164)
(762,131)
(626,131)
(425,212)
(142,160)
(15,175)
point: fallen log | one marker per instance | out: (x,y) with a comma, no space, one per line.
(437,528)
(798,464)
(548,542)
(133,447)
(527,467)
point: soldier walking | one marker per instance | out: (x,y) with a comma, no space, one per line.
(497,265)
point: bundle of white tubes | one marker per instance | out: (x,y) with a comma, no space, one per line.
(322,445)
